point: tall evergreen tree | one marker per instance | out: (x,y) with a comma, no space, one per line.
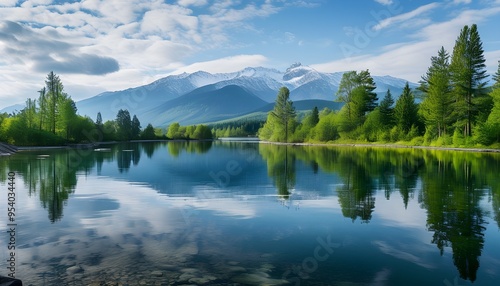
(135,128)
(124,125)
(280,122)
(387,110)
(436,85)
(315,116)
(98,120)
(496,77)
(312,118)
(468,74)
(54,91)
(42,101)
(406,110)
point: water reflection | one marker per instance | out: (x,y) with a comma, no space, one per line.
(280,167)
(453,185)
(176,148)
(458,191)
(451,193)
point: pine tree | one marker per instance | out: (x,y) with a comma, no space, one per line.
(436,85)
(496,77)
(42,101)
(280,122)
(405,111)
(311,119)
(54,91)
(135,128)
(468,73)
(387,110)
(315,116)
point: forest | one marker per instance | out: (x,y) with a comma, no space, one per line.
(453,106)
(52,120)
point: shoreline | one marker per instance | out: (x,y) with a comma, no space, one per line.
(363,145)
(96,144)
(388,145)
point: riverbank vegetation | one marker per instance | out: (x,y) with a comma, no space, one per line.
(453,106)
(52,119)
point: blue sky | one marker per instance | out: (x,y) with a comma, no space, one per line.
(99,45)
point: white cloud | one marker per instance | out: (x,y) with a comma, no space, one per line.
(192,2)
(462,1)
(8,3)
(410,59)
(404,17)
(140,40)
(384,2)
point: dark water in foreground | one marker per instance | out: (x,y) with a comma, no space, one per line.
(253,214)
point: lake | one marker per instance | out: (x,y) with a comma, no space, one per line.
(238,213)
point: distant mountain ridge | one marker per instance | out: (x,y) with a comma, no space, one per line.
(200,97)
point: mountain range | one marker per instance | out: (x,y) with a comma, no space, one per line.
(202,97)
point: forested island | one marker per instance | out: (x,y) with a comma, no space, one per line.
(454,106)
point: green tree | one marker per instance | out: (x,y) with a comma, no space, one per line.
(202,132)
(387,110)
(313,118)
(496,77)
(436,85)
(124,125)
(468,73)
(54,91)
(173,131)
(42,101)
(406,110)
(30,112)
(190,131)
(135,128)
(491,129)
(148,133)
(67,116)
(356,91)
(280,121)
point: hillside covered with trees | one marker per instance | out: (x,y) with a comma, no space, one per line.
(453,106)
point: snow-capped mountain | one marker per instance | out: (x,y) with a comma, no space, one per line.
(304,83)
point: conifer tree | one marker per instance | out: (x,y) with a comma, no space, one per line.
(406,110)
(436,86)
(387,110)
(468,73)
(280,122)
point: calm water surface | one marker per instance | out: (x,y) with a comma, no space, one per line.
(254,214)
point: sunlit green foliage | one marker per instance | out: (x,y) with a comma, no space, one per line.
(281,121)
(198,132)
(53,120)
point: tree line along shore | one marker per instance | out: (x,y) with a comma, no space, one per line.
(453,107)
